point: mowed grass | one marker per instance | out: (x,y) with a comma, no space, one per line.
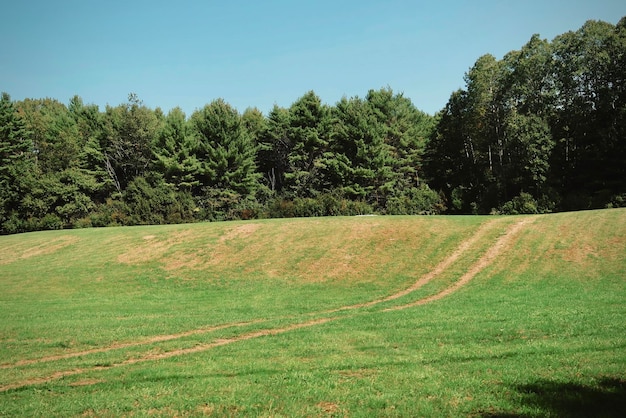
(246,318)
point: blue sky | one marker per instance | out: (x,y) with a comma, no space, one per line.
(260,53)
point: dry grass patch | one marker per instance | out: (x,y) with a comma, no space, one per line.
(344,250)
(567,241)
(241,231)
(26,249)
(152,248)
(328,407)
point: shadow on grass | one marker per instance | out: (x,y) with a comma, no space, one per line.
(606,399)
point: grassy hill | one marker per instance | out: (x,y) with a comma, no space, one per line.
(360,316)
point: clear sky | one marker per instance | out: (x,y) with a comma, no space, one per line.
(259,53)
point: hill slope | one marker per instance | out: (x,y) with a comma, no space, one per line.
(273,317)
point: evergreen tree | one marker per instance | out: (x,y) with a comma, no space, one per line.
(309,135)
(406,131)
(16,166)
(226,154)
(274,147)
(363,165)
(174,148)
(91,158)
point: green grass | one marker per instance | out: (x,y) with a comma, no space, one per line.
(540,331)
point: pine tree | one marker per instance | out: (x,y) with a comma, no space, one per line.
(16,165)
(226,156)
(363,163)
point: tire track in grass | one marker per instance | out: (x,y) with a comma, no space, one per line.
(147,341)
(161,356)
(436,271)
(490,255)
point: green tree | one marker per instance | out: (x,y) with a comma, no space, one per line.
(449,156)
(493,141)
(308,133)
(16,166)
(65,184)
(129,131)
(528,153)
(54,132)
(91,158)
(254,123)
(363,164)
(274,146)
(406,131)
(174,148)
(590,121)
(226,153)
(525,99)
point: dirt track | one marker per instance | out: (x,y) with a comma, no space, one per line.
(478,266)
(485,260)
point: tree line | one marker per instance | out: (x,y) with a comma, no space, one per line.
(542,129)
(73,166)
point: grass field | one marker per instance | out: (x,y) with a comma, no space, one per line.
(359,316)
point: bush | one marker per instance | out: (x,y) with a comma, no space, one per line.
(280,208)
(152,201)
(326,204)
(306,207)
(226,205)
(13,225)
(355,207)
(420,200)
(82,223)
(617,201)
(522,204)
(48,222)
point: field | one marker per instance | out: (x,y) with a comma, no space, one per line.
(353,316)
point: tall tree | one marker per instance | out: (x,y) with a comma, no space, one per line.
(54,132)
(493,140)
(256,125)
(589,67)
(308,131)
(406,131)
(226,153)
(527,98)
(129,131)
(363,166)
(16,165)
(274,146)
(174,148)
(91,158)
(449,159)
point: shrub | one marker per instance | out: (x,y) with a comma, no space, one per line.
(415,201)
(326,204)
(13,225)
(82,223)
(617,201)
(522,204)
(50,222)
(280,208)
